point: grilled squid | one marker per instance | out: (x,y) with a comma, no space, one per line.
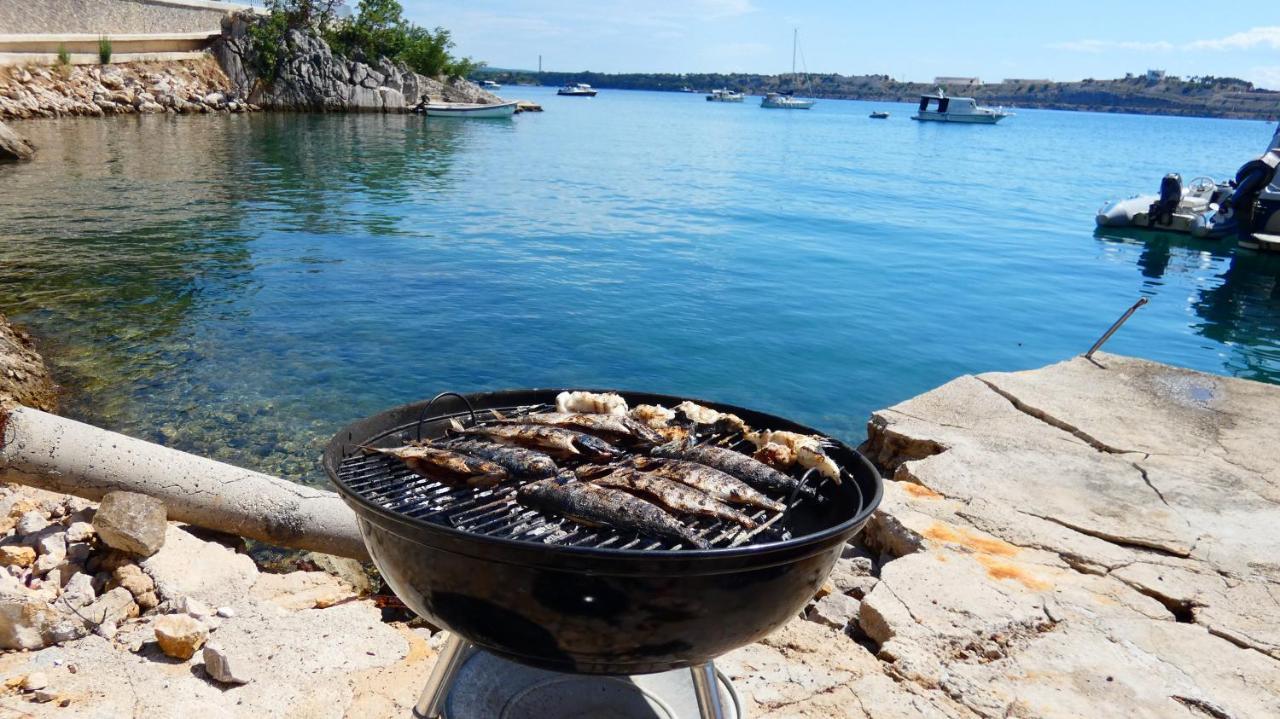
(592,402)
(807,450)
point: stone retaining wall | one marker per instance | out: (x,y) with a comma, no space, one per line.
(112,17)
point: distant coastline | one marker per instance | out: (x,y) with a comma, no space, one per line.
(1197,97)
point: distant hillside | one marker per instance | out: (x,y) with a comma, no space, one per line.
(1205,97)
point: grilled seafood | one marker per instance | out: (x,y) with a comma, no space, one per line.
(594,402)
(588,504)
(721,421)
(719,485)
(519,461)
(446,465)
(654,415)
(807,448)
(556,441)
(675,496)
(778,456)
(614,426)
(753,472)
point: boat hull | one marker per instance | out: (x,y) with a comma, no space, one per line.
(506,109)
(576,93)
(1191,218)
(789,105)
(951,117)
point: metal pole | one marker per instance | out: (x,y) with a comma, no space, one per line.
(452,656)
(706,687)
(1112,330)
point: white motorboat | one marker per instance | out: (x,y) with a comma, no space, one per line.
(785,100)
(469,109)
(490,85)
(1247,206)
(725,96)
(580,89)
(940,108)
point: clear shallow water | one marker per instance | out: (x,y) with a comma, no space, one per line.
(243,286)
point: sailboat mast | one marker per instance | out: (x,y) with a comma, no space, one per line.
(795,39)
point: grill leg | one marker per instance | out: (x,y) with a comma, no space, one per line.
(707,688)
(431,703)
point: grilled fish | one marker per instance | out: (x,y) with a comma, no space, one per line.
(588,504)
(806,447)
(519,461)
(722,422)
(675,496)
(594,402)
(753,472)
(713,482)
(616,427)
(556,441)
(447,465)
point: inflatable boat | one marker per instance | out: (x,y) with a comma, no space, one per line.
(1243,207)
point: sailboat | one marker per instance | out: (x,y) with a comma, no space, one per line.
(784,100)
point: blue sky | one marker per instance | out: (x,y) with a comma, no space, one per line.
(914,40)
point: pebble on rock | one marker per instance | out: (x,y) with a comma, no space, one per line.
(179,635)
(131,522)
(32,522)
(222,668)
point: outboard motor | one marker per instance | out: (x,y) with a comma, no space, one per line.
(1161,211)
(1251,179)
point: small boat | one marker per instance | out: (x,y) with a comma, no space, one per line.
(725,96)
(1247,206)
(490,85)
(784,100)
(580,89)
(940,108)
(469,109)
(879,115)
(686,88)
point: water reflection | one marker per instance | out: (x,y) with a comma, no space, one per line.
(131,245)
(1237,301)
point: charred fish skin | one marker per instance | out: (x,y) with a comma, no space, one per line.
(753,472)
(708,480)
(673,495)
(519,461)
(613,426)
(588,504)
(446,465)
(556,441)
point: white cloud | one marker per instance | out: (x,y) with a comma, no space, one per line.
(1268,37)
(1265,77)
(1258,36)
(716,9)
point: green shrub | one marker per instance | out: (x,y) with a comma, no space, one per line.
(64,56)
(104,49)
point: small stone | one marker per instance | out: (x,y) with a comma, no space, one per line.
(78,591)
(131,577)
(226,612)
(147,600)
(52,545)
(80,532)
(32,522)
(222,668)
(834,610)
(44,696)
(34,681)
(214,98)
(15,556)
(191,607)
(179,635)
(131,522)
(113,607)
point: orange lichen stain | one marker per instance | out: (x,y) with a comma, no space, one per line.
(940,532)
(997,569)
(920,491)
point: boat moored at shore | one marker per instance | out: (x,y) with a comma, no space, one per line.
(1247,206)
(580,89)
(940,108)
(782,101)
(469,109)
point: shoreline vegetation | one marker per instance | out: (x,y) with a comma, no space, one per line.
(1222,97)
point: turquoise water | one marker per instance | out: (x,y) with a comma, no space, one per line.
(242,286)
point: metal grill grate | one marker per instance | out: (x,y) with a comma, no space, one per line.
(494,511)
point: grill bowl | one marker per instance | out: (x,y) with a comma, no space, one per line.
(599,610)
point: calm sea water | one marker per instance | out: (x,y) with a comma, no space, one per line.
(242,286)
